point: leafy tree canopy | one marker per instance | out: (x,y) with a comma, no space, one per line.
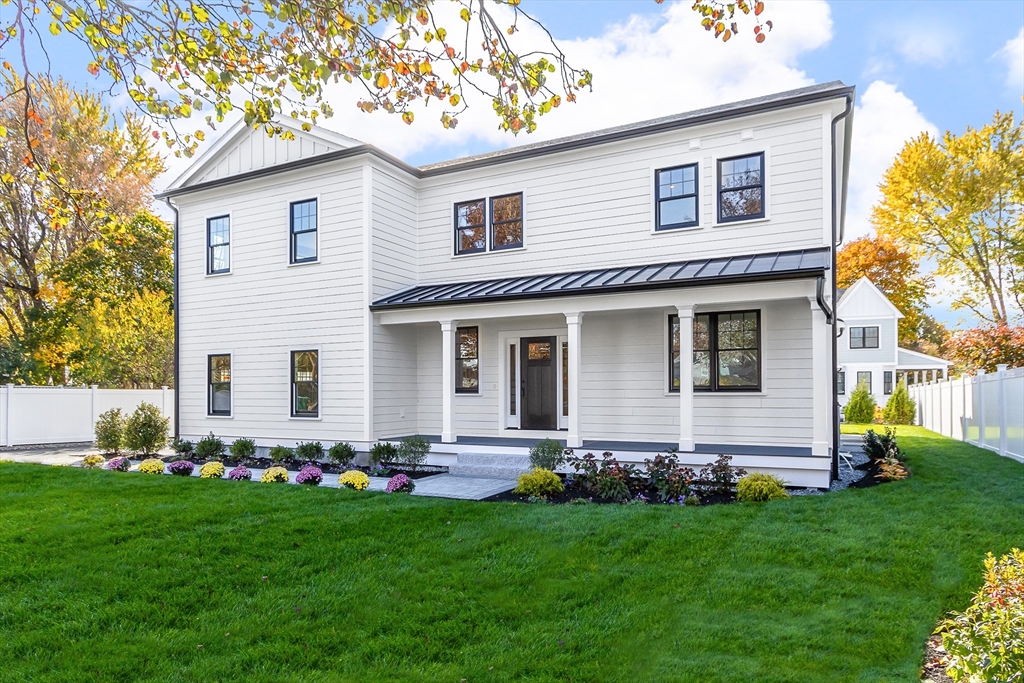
(984,348)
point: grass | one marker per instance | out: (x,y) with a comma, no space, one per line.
(121,577)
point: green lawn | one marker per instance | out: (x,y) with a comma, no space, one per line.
(120,577)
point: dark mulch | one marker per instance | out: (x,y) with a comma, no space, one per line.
(870,478)
(934,669)
(325,467)
(573,492)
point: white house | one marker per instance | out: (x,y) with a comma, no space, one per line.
(329,291)
(869,350)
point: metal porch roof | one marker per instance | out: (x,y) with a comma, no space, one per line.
(756,267)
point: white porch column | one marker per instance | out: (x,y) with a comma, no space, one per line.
(447,381)
(686,443)
(574,321)
(821,366)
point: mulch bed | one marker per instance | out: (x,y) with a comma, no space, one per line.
(572,492)
(934,669)
(325,467)
(870,469)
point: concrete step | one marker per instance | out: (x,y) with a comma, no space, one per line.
(485,472)
(494,460)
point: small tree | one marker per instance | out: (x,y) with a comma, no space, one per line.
(413,452)
(146,430)
(860,409)
(243,448)
(342,454)
(210,448)
(547,455)
(900,409)
(110,431)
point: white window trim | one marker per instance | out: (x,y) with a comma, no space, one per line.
(288,232)
(319,382)
(714,309)
(488,250)
(849,338)
(479,360)
(746,148)
(231,243)
(694,156)
(209,405)
(505,337)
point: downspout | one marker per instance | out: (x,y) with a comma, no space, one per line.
(838,233)
(176,308)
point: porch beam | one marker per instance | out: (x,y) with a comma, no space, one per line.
(686,442)
(448,381)
(821,366)
(574,321)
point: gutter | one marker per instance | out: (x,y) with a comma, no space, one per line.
(177,309)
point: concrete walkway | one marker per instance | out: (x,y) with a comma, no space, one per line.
(53,455)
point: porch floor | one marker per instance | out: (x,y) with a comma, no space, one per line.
(637,446)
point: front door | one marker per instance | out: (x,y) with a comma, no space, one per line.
(539,386)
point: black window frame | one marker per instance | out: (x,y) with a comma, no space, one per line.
(459,359)
(869,374)
(721,191)
(292,234)
(293,384)
(457,229)
(713,351)
(492,225)
(210,246)
(841,382)
(864,337)
(210,383)
(887,382)
(658,199)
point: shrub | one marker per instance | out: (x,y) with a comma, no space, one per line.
(586,467)
(279,454)
(243,448)
(93,461)
(400,484)
(210,448)
(240,473)
(110,431)
(691,500)
(758,487)
(882,447)
(985,642)
(879,417)
(614,480)
(892,470)
(341,454)
(310,475)
(145,431)
(181,468)
(212,470)
(900,409)
(152,466)
(354,479)
(314,450)
(720,476)
(538,482)
(379,471)
(667,477)
(860,409)
(383,452)
(273,475)
(121,464)
(183,447)
(413,452)
(547,455)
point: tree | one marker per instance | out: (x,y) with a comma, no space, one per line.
(900,409)
(275,57)
(984,348)
(959,201)
(860,409)
(895,271)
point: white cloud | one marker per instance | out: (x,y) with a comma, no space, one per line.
(1013,54)
(884,120)
(933,45)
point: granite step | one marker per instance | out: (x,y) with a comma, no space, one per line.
(489,465)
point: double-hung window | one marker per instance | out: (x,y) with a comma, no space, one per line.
(467,360)
(887,382)
(507,221)
(219,384)
(218,245)
(489,225)
(841,382)
(471,227)
(303,229)
(864,337)
(676,197)
(726,351)
(305,382)
(741,188)
(864,378)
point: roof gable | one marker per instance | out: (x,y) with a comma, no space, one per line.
(865,300)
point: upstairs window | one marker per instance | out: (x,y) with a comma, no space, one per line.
(741,188)
(467,360)
(305,384)
(470,227)
(841,382)
(303,231)
(507,221)
(864,337)
(726,351)
(676,197)
(218,245)
(219,380)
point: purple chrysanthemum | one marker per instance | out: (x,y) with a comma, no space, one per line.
(399,484)
(240,473)
(181,468)
(309,475)
(119,464)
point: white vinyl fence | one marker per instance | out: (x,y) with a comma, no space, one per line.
(35,415)
(986,410)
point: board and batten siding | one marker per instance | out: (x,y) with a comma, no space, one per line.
(257,151)
(266,308)
(886,351)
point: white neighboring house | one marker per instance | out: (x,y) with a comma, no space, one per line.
(329,291)
(869,348)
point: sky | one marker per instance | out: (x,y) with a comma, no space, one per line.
(918,67)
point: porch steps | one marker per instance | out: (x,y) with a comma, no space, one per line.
(489,465)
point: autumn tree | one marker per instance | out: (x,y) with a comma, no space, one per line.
(984,348)
(959,201)
(894,270)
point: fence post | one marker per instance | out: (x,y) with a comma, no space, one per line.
(8,440)
(163,401)
(1001,369)
(981,408)
(95,404)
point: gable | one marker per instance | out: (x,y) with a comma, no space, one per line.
(865,300)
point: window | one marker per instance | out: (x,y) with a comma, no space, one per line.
(864,378)
(741,188)
(219,381)
(218,245)
(470,234)
(864,337)
(841,382)
(303,231)
(726,351)
(305,384)
(512,376)
(887,382)
(676,197)
(467,361)
(507,221)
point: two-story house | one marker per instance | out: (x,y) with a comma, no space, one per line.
(869,350)
(662,285)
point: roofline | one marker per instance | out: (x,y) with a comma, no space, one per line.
(922,355)
(627,132)
(865,278)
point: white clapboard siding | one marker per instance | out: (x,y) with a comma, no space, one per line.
(886,351)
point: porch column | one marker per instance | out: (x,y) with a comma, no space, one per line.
(821,366)
(574,321)
(447,380)
(685,378)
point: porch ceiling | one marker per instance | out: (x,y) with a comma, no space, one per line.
(756,267)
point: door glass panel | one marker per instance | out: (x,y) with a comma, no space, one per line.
(513,388)
(539,351)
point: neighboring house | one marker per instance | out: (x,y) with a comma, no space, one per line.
(869,350)
(665,284)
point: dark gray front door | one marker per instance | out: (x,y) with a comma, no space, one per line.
(539,392)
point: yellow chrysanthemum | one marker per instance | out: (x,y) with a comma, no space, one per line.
(354,479)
